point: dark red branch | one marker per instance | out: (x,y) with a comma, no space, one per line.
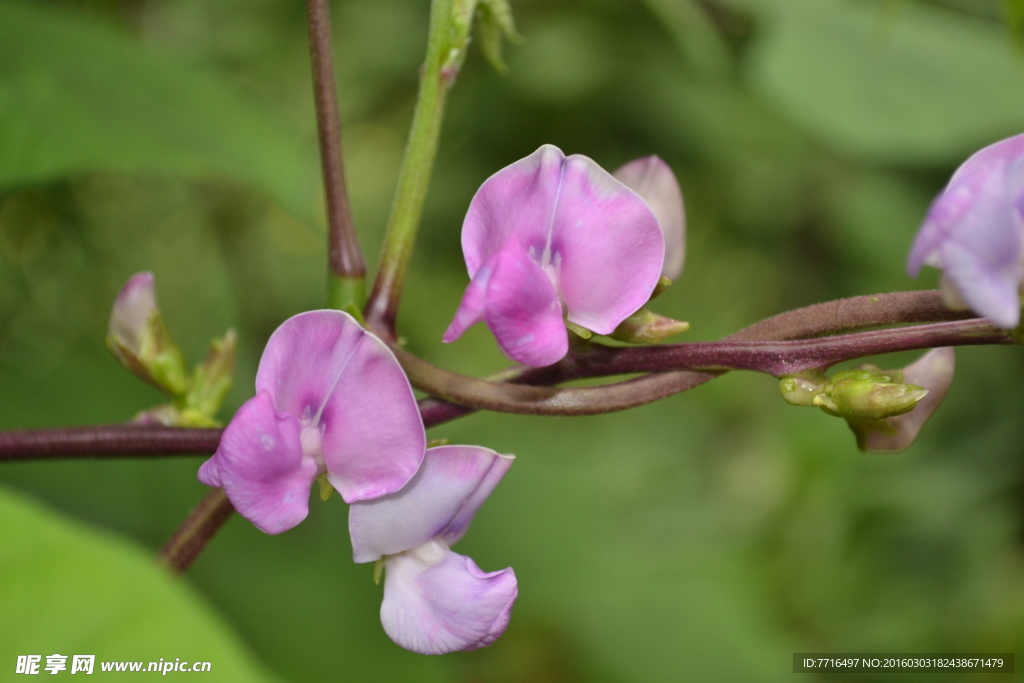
(344,257)
(106,441)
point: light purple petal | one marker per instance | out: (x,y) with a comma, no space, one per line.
(990,176)
(654,181)
(981,252)
(606,247)
(932,371)
(519,200)
(325,369)
(523,311)
(261,467)
(447,607)
(129,317)
(439,502)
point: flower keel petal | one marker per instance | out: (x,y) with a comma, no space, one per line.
(523,311)
(447,607)
(260,464)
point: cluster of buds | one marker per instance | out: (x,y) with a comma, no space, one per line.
(886,409)
(141,341)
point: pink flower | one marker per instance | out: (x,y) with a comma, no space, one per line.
(975,232)
(551,238)
(330,399)
(436,601)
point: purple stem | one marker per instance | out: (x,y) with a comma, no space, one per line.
(106,441)
(344,258)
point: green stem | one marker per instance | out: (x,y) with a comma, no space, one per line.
(413,180)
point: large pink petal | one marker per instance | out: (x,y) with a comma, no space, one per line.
(654,181)
(328,371)
(373,438)
(439,501)
(519,200)
(446,607)
(305,358)
(522,309)
(606,247)
(261,467)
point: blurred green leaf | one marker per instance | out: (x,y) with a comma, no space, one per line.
(77,95)
(51,569)
(921,85)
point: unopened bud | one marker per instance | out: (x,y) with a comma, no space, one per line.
(801,391)
(933,371)
(646,327)
(140,340)
(864,396)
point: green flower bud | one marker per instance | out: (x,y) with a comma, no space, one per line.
(801,391)
(140,340)
(865,396)
(646,327)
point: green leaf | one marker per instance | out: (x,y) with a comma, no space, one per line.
(922,84)
(77,95)
(495,25)
(68,589)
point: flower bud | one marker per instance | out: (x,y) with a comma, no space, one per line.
(866,395)
(646,327)
(801,391)
(140,340)
(933,371)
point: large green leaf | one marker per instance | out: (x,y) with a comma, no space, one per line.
(919,84)
(78,95)
(68,589)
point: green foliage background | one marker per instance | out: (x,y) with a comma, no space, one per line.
(708,536)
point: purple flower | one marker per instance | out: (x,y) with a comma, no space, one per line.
(330,398)
(436,601)
(554,237)
(129,318)
(975,232)
(654,181)
(140,340)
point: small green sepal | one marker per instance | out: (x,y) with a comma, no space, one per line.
(325,486)
(664,282)
(378,570)
(801,390)
(579,330)
(647,327)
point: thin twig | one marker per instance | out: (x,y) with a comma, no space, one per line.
(195,532)
(344,257)
(106,441)
(771,352)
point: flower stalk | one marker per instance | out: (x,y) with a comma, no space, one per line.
(345,264)
(437,78)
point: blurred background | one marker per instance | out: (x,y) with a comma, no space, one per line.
(706,537)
